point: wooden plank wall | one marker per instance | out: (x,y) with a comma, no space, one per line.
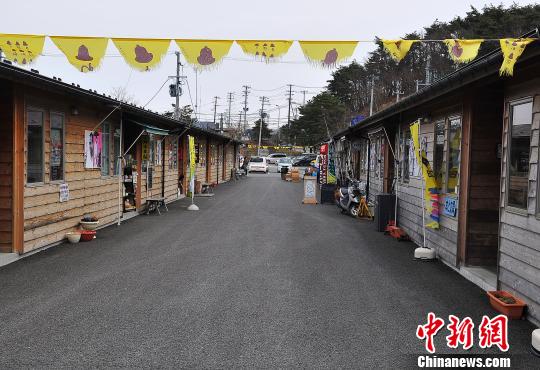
(484,180)
(171,171)
(46,220)
(6,168)
(229,163)
(519,239)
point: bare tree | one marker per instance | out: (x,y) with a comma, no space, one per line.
(120,93)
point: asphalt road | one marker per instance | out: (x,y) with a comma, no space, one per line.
(254,279)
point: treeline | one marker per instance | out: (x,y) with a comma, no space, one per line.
(348,91)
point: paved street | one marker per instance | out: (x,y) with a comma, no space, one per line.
(254,279)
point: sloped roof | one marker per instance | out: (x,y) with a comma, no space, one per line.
(482,67)
(32,77)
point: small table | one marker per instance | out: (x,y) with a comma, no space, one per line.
(153,204)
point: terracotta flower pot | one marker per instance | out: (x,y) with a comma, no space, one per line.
(512,310)
(87,235)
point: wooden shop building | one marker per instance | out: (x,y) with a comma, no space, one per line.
(66,152)
(481,135)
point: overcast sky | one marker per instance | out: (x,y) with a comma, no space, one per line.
(218,19)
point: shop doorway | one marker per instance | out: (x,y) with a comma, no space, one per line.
(6,169)
(480,187)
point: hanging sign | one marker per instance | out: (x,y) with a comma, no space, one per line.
(64,192)
(203,54)
(142,54)
(397,48)
(512,50)
(450,206)
(92,149)
(267,50)
(463,51)
(83,53)
(21,49)
(145,150)
(328,53)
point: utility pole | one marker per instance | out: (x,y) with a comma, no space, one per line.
(263,100)
(215,109)
(304,100)
(371,95)
(229,99)
(289,114)
(428,74)
(221,122)
(239,133)
(245,94)
(398,91)
(278,119)
(176,107)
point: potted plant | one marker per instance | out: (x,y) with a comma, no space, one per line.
(506,303)
(89,222)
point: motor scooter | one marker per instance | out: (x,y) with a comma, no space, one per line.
(349,197)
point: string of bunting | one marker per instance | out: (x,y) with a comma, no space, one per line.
(86,53)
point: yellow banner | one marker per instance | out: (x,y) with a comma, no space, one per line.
(142,54)
(397,48)
(463,51)
(83,53)
(328,53)
(192,157)
(21,49)
(431,191)
(512,50)
(202,54)
(266,49)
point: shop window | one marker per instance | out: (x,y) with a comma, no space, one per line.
(34,139)
(406,155)
(519,153)
(57,147)
(105,149)
(173,154)
(117,151)
(438,152)
(454,155)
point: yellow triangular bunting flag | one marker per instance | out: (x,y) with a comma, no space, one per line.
(204,54)
(21,49)
(84,53)
(512,50)
(463,51)
(328,53)
(397,48)
(142,54)
(266,49)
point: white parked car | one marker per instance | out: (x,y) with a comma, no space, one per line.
(258,164)
(274,157)
(284,162)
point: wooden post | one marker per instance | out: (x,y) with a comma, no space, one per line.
(18,172)
(138,156)
(208,164)
(465,171)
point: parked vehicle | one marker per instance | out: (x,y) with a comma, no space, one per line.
(304,160)
(349,197)
(274,157)
(284,163)
(258,164)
